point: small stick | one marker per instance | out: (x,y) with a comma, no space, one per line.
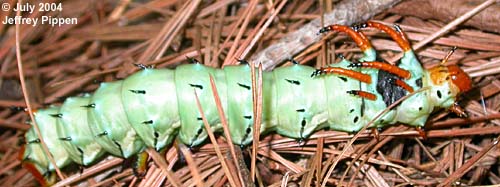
(160,161)
(257,109)
(191,165)
(27,98)
(226,132)
(90,171)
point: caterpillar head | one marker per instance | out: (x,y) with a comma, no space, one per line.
(448,83)
(43,176)
(34,160)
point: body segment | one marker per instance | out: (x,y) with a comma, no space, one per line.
(74,131)
(145,105)
(109,124)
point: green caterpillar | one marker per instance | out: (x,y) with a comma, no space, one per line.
(153,106)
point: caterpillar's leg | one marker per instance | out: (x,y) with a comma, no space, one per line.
(341,71)
(376,133)
(358,37)
(455,108)
(140,164)
(180,156)
(384,66)
(421,132)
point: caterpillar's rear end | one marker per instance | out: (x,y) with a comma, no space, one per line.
(154,106)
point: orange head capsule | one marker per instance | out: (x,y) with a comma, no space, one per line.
(447,83)
(458,80)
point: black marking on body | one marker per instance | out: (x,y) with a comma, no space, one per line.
(418,82)
(60,99)
(390,92)
(397,28)
(21,141)
(102,134)
(193,60)
(301,110)
(56,115)
(138,91)
(303,124)
(119,147)
(419,108)
(294,62)
(198,133)
(199,118)
(143,66)
(296,82)
(352,92)
(351,111)
(81,153)
(196,86)
(96,81)
(247,133)
(65,139)
(341,56)
(27,158)
(34,141)
(91,105)
(147,122)
(355,65)
(343,79)
(244,86)
(156,135)
(356,119)
(439,94)
(357,26)
(17,108)
(247,117)
(317,72)
(242,61)
(48,173)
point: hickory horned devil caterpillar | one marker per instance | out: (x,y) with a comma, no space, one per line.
(123,117)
